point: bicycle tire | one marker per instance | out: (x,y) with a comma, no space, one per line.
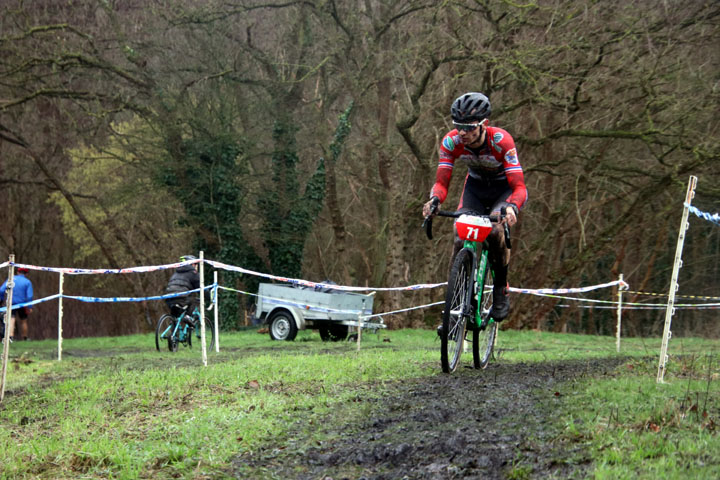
(173,343)
(457,308)
(484,336)
(209,332)
(163,330)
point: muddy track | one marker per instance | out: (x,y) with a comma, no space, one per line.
(492,424)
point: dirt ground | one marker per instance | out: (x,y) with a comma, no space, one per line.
(491,424)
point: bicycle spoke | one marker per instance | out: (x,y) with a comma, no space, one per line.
(456,308)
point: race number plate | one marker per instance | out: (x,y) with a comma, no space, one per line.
(472,228)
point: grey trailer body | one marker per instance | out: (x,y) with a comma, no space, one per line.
(287,309)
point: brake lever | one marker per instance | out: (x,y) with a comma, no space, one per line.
(506,227)
(427,223)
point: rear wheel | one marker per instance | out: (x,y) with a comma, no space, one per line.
(484,337)
(163,330)
(209,332)
(457,309)
(282,326)
(334,332)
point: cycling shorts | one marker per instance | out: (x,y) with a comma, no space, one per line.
(483,197)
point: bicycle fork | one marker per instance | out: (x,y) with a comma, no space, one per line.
(475,317)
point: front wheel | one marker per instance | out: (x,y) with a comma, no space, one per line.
(484,336)
(282,326)
(457,309)
(164,330)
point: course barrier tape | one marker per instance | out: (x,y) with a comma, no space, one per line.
(404,310)
(30,304)
(302,306)
(646,307)
(550,291)
(297,281)
(626,305)
(696,297)
(307,283)
(133,299)
(714,218)
(94,271)
(4,264)
(545,292)
(107,299)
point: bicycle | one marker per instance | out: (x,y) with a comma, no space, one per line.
(468,299)
(179,330)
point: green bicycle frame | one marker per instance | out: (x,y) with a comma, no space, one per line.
(479,275)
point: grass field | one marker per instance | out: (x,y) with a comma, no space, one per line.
(116,408)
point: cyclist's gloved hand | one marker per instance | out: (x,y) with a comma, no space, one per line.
(510,214)
(511,217)
(431,207)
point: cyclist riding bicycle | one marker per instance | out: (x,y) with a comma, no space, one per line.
(494,180)
(185,278)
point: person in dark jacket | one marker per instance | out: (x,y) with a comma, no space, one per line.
(184,278)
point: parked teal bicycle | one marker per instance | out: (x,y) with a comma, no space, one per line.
(176,330)
(468,298)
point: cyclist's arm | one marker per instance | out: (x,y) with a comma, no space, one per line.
(443,175)
(514,174)
(448,151)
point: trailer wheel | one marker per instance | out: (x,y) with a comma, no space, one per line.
(335,332)
(324,333)
(282,326)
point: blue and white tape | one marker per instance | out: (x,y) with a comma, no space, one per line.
(30,304)
(134,299)
(107,299)
(714,218)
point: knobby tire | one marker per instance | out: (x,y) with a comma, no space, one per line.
(457,308)
(484,337)
(162,332)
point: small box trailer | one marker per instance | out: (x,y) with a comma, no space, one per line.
(286,309)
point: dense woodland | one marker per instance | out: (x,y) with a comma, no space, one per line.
(299,138)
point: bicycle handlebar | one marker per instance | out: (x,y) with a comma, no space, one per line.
(427,223)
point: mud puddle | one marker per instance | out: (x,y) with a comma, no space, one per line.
(492,424)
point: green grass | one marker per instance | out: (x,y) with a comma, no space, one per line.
(116,408)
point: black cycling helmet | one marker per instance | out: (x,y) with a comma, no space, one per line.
(186,258)
(470,107)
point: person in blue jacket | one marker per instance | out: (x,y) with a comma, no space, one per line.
(22,293)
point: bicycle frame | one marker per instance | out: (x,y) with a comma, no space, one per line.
(480,266)
(180,330)
(467,304)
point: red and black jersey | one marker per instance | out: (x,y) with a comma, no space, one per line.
(496,163)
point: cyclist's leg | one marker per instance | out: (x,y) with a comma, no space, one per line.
(192,315)
(499,260)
